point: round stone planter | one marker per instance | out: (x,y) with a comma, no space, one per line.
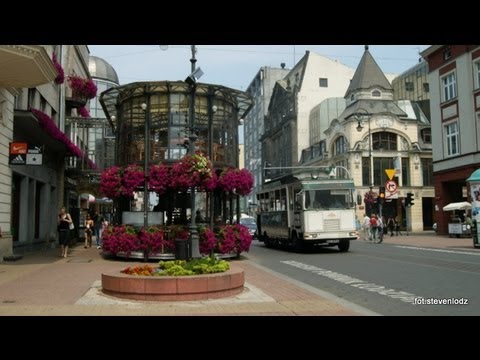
(174,288)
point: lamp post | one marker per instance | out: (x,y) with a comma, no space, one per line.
(359,116)
(146,195)
(194,250)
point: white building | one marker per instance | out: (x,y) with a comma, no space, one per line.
(313,79)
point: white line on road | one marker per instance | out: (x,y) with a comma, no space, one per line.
(354,282)
(438,250)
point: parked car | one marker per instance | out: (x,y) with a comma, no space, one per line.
(250,223)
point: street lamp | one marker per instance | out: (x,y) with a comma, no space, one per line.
(192,80)
(359,117)
(146,108)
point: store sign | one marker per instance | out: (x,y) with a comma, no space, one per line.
(25,154)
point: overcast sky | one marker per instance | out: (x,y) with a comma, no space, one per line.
(236,65)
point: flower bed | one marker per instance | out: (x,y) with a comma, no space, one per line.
(174,288)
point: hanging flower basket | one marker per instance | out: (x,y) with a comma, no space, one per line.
(159,178)
(82,88)
(133,177)
(111,182)
(236,181)
(191,171)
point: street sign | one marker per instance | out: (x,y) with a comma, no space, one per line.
(391,190)
(391,186)
(390,173)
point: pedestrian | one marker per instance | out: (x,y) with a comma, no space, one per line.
(366,227)
(63,225)
(391,225)
(198,217)
(97,227)
(88,231)
(397,227)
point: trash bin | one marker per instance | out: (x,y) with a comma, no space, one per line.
(181,249)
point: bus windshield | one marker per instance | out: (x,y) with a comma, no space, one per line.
(328,199)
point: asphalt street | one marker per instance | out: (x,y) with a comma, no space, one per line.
(389,279)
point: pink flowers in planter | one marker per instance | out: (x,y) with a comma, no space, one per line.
(126,239)
(48,125)
(236,181)
(111,182)
(133,177)
(159,179)
(228,239)
(370,198)
(60,73)
(191,170)
(83,88)
(83,112)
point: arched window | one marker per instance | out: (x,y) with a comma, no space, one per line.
(384,141)
(340,146)
(376,93)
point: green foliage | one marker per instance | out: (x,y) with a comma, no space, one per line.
(208,265)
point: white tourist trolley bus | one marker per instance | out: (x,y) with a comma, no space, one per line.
(298,210)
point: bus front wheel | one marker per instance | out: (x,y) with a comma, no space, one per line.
(344,245)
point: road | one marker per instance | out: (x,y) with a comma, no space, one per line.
(389,279)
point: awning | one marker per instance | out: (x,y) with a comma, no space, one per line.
(457,206)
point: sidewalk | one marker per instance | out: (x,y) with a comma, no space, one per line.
(430,239)
(43,283)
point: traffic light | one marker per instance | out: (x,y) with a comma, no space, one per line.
(409,200)
(381,194)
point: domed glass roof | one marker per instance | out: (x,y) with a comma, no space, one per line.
(101,69)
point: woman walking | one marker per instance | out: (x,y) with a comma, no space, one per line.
(64,221)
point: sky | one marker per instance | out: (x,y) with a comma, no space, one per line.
(235,66)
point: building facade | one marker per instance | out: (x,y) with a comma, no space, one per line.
(313,79)
(454,81)
(260,89)
(373,134)
(22,67)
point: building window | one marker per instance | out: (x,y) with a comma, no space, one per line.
(376,93)
(352,97)
(323,82)
(426,135)
(426,87)
(384,141)
(340,146)
(408,86)
(449,84)
(452,139)
(427,172)
(447,54)
(477,75)
(406,171)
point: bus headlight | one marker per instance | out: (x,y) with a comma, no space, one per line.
(309,235)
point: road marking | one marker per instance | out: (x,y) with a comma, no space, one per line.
(354,282)
(438,250)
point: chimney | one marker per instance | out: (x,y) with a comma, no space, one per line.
(282,65)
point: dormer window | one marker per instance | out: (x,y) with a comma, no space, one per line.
(447,53)
(352,97)
(376,93)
